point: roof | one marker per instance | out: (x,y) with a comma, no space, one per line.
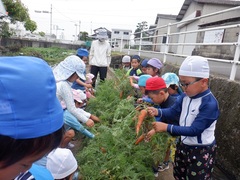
(165,16)
(187,3)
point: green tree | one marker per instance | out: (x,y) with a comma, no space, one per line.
(42,34)
(18,12)
(30,25)
(141,27)
(84,36)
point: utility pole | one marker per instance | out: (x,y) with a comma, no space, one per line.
(51,20)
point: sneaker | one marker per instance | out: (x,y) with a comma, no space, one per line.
(155,171)
(163,166)
(70,145)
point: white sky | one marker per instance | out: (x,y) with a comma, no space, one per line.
(92,14)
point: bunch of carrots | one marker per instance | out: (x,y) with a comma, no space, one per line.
(143,114)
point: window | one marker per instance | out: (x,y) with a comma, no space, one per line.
(116,32)
(126,33)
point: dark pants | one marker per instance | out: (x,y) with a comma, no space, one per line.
(194,163)
(102,72)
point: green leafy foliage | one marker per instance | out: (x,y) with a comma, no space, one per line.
(112,154)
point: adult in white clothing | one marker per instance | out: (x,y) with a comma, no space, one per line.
(100,56)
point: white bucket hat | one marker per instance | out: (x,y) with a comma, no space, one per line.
(195,66)
(68,66)
(102,34)
(61,163)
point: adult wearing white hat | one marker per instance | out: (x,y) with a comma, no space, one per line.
(100,56)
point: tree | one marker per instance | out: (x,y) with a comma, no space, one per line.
(141,27)
(42,34)
(18,12)
(84,36)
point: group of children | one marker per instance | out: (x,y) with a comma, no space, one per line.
(189,117)
(29,133)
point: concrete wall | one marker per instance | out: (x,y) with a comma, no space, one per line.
(35,43)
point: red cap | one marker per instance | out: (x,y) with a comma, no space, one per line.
(155,83)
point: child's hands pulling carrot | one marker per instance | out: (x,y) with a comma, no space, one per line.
(150,134)
(160,126)
(152,111)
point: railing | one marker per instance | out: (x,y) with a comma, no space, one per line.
(234,60)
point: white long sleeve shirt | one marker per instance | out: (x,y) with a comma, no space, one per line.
(64,93)
(100,54)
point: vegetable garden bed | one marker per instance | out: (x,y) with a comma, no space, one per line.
(112,154)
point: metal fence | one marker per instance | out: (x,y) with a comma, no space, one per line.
(168,34)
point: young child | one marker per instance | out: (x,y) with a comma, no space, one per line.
(80,82)
(66,72)
(172,83)
(198,110)
(154,66)
(31,117)
(144,66)
(71,121)
(89,91)
(135,69)
(142,84)
(126,62)
(62,164)
(157,90)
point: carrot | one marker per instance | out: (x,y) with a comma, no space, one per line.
(121,94)
(141,117)
(139,139)
(103,149)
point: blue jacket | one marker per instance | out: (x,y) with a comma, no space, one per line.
(198,117)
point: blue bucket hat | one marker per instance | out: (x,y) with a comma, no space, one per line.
(142,79)
(144,63)
(29,107)
(170,78)
(82,52)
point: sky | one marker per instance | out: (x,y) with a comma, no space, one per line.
(71,15)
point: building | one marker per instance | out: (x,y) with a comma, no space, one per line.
(190,10)
(120,38)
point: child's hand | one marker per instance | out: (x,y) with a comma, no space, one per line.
(150,134)
(95,118)
(88,86)
(152,111)
(90,123)
(139,100)
(159,126)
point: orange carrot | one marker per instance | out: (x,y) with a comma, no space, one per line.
(139,139)
(121,94)
(103,149)
(141,116)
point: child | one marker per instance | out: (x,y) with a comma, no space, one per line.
(144,66)
(142,84)
(80,82)
(62,164)
(71,121)
(154,66)
(89,91)
(30,123)
(135,70)
(172,83)
(66,72)
(198,110)
(157,90)
(126,62)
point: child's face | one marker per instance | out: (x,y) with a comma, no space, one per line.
(151,71)
(21,166)
(78,104)
(144,70)
(193,86)
(85,59)
(172,89)
(142,89)
(126,64)
(157,98)
(135,64)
